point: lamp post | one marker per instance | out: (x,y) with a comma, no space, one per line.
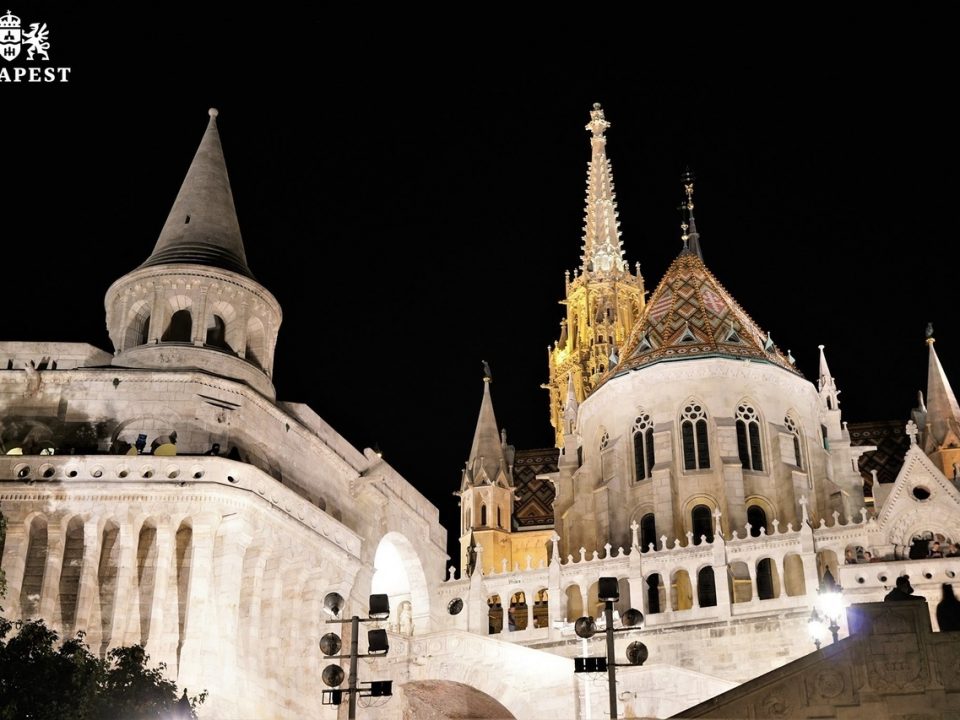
(377,646)
(830,599)
(586,627)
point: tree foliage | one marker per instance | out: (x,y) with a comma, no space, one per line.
(43,679)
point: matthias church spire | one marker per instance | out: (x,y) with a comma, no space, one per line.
(602,249)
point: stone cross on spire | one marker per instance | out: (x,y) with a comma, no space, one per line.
(912,431)
(602,248)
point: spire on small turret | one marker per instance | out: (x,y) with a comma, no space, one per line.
(571,407)
(827,385)
(602,247)
(487,450)
(202,227)
(943,412)
(690,236)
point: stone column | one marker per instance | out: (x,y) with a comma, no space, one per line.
(781,578)
(192,653)
(126,607)
(88,588)
(14,563)
(50,592)
(161,644)
(200,320)
(241,348)
(752,570)
(233,537)
(156,316)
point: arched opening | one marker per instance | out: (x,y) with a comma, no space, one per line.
(541,608)
(256,343)
(70,574)
(217,333)
(518,613)
(827,560)
(107,582)
(483,516)
(398,573)
(793,578)
(768,580)
(494,615)
(648,532)
(184,560)
(138,325)
(706,587)
(702,522)
(180,327)
(740,585)
(146,576)
(34,567)
(499,517)
(448,699)
(757,519)
(574,603)
(655,592)
(681,591)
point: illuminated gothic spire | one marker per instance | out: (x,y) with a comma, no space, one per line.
(943,413)
(829,394)
(202,227)
(690,237)
(602,249)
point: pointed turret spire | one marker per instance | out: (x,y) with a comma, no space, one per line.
(486,452)
(602,248)
(690,237)
(571,407)
(202,227)
(827,385)
(943,413)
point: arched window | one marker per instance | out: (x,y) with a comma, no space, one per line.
(748,438)
(794,430)
(653,594)
(643,456)
(499,518)
(823,433)
(765,590)
(757,519)
(702,523)
(648,532)
(706,587)
(604,438)
(180,327)
(693,430)
(217,333)
(483,515)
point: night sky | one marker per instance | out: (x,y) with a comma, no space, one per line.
(413,203)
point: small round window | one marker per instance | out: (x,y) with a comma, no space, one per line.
(921,493)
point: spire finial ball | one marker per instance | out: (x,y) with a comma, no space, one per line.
(213,112)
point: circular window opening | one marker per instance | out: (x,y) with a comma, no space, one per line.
(173,473)
(198,474)
(48,472)
(951,574)
(861,580)
(455,606)
(148,473)
(123,473)
(882,578)
(928,575)
(921,493)
(72,473)
(232,479)
(23,472)
(97,473)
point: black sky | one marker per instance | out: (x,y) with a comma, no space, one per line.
(413,202)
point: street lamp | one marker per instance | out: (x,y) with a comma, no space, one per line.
(586,627)
(816,628)
(830,599)
(377,646)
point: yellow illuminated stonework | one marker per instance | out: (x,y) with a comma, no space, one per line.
(603,300)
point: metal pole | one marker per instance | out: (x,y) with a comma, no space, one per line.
(611,659)
(354,643)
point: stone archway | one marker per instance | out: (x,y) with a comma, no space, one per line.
(443,699)
(399,574)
